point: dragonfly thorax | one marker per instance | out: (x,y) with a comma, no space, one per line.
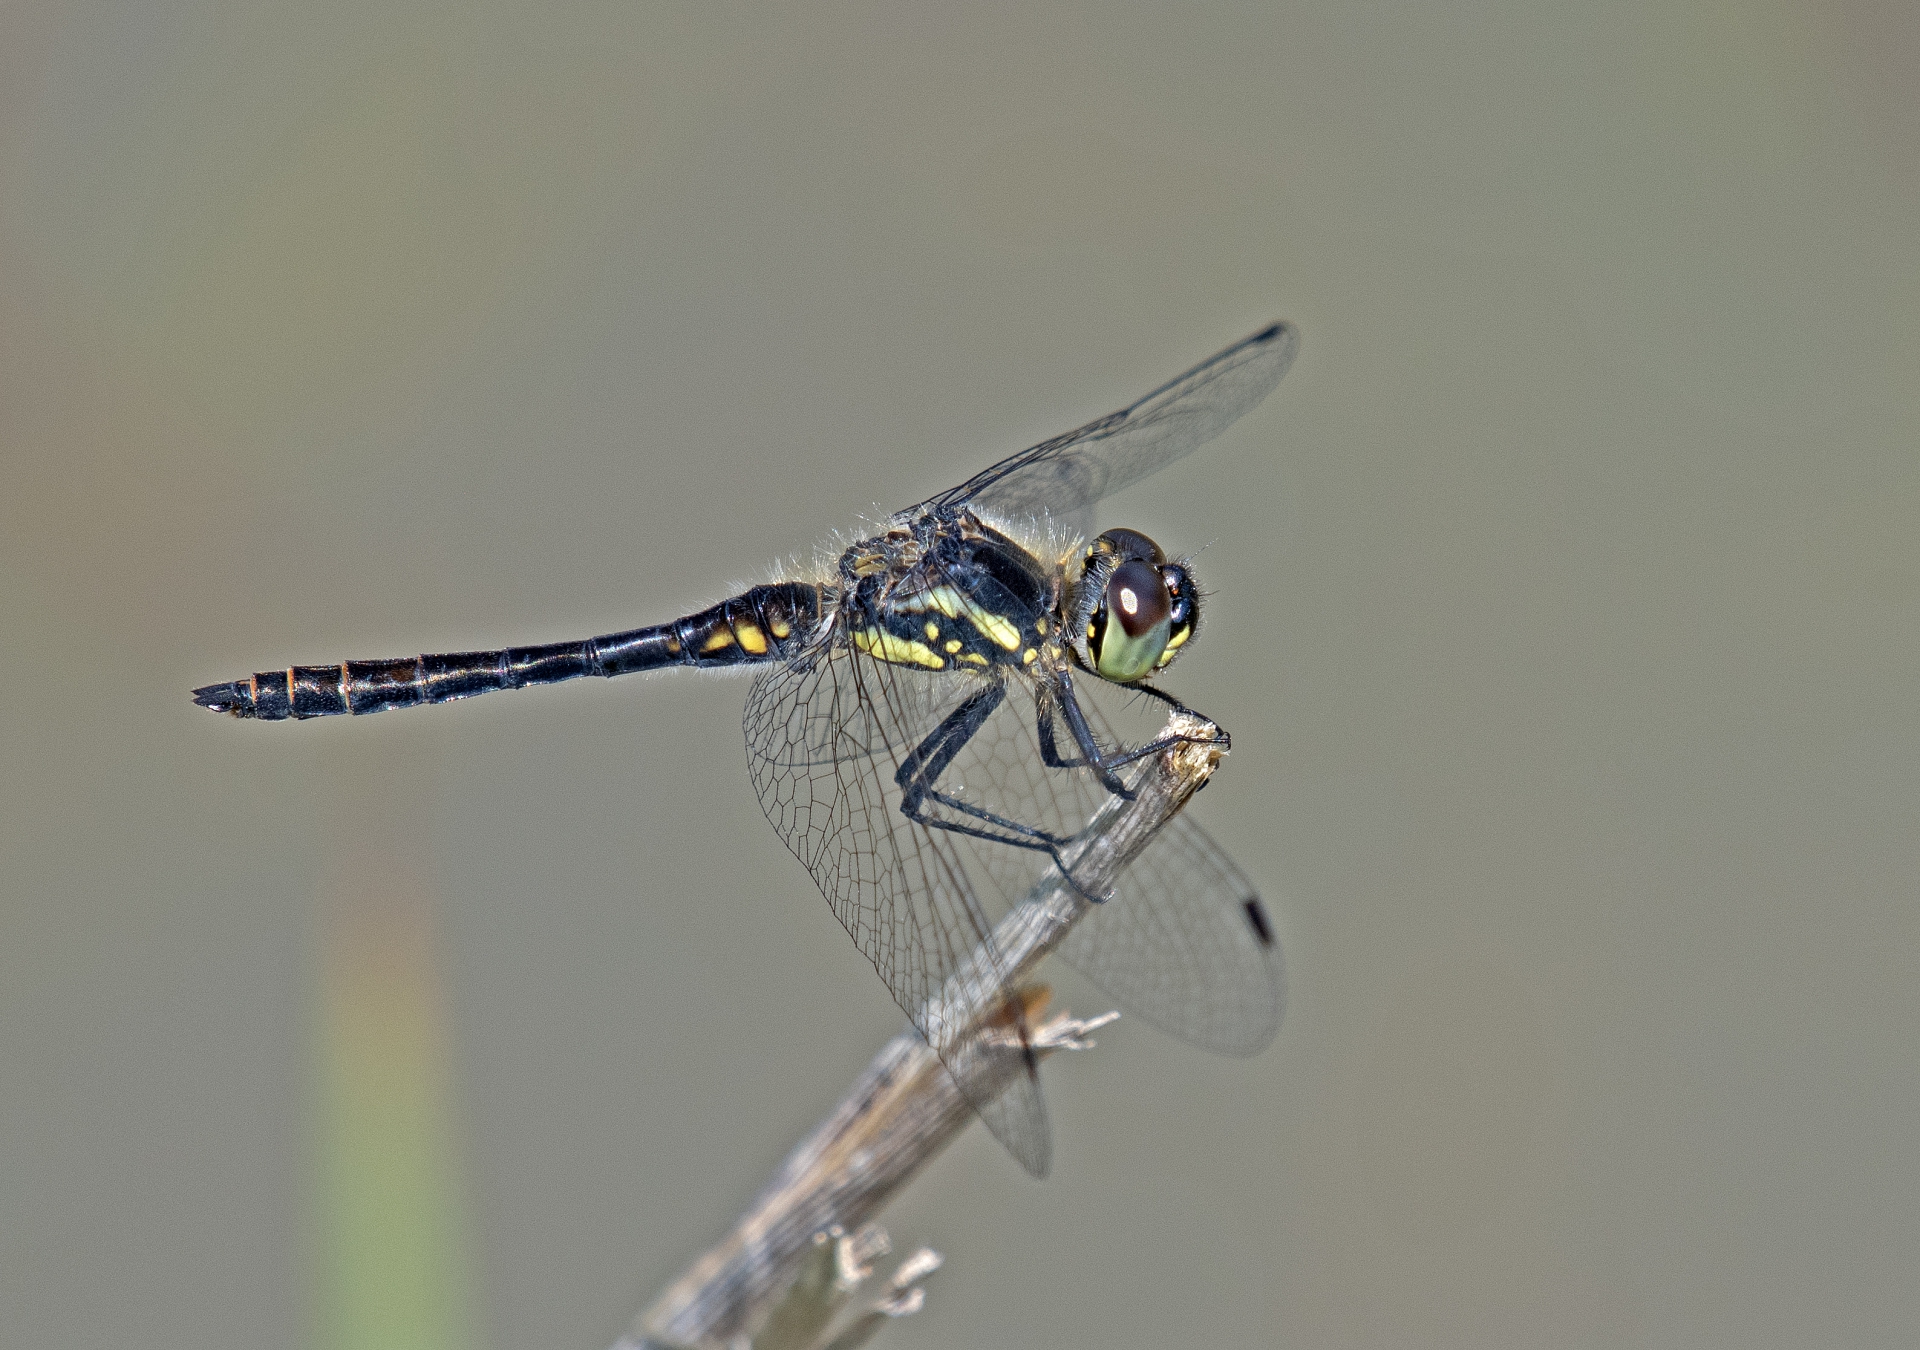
(963,596)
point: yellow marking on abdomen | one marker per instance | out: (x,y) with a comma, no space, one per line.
(781,629)
(718,640)
(879,643)
(752,640)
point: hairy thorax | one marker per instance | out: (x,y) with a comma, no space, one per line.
(951,594)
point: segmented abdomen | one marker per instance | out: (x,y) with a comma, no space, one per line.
(766,623)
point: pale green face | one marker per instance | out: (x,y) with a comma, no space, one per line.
(1145,615)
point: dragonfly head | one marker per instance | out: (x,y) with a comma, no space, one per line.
(1133,611)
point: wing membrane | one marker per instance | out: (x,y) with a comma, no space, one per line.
(903,891)
(1177,947)
(1063,476)
(1175,944)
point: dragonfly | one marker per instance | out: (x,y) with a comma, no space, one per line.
(932,722)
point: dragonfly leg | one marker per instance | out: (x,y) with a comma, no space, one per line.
(1045,709)
(1180,707)
(922,769)
(1050,703)
(1102,764)
(1100,761)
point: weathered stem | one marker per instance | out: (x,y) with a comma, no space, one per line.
(906,1107)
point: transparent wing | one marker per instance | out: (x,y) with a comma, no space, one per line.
(1061,477)
(913,898)
(1176,945)
(1179,947)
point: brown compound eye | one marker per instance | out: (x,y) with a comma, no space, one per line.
(1130,630)
(1131,544)
(1137,598)
(1184,612)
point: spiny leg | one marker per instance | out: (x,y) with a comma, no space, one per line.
(1101,762)
(1063,701)
(1180,707)
(931,758)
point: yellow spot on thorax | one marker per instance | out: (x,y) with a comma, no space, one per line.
(900,651)
(952,603)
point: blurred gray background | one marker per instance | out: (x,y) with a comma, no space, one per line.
(1564,620)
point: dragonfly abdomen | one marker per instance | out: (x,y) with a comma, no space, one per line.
(766,623)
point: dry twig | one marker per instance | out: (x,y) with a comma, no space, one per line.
(901,1112)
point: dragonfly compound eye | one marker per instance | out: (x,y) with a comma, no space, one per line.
(1124,543)
(1184,614)
(1133,623)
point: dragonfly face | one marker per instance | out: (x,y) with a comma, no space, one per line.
(916,736)
(1134,611)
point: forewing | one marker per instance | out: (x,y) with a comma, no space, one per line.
(1178,946)
(1061,477)
(902,890)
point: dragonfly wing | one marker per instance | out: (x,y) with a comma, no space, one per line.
(1061,477)
(901,889)
(1185,945)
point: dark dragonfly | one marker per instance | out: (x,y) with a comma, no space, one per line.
(919,735)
